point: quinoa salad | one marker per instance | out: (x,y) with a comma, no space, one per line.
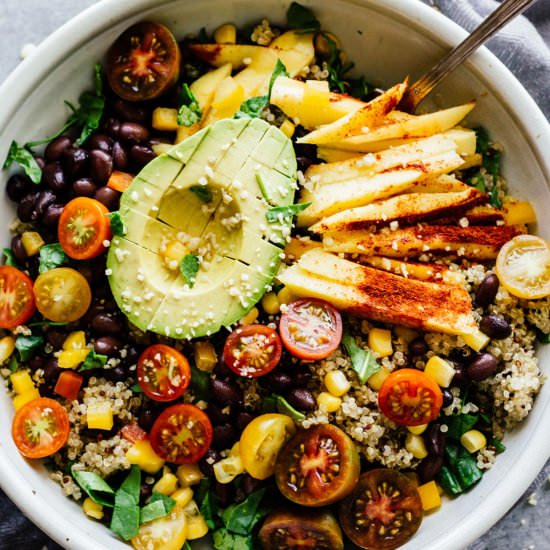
(249,300)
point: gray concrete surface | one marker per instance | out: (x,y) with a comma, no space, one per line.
(527,524)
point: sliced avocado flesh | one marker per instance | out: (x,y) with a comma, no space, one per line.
(224,224)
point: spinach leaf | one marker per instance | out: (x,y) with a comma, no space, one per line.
(279,70)
(51,256)
(202,192)
(10,258)
(336,68)
(448,481)
(94,486)
(466,470)
(93,361)
(459,424)
(126,513)
(13,363)
(116,224)
(284,213)
(206,501)
(158,506)
(222,539)
(27,346)
(300,17)
(190,111)
(277,403)
(482,140)
(241,518)
(200,384)
(23,157)
(362,360)
(359,88)
(497,444)
(253,107)
(189,267)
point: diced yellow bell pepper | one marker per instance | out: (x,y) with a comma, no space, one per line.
(167,484)
(379,341)
(440,370)
(189,474)
(75,340)
(21,382)
(32,242)
(328,402)
(92,509)
(337,383)
(99,415)
(376,380)
(7,347)
(415,445)
(473,440)
(270,303)
(182,496)
(142,454)
(165,119)
(24,398)
(429,495)
(70,359)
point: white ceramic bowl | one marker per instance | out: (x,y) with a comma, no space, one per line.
(387,39)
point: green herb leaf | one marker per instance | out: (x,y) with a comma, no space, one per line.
(448,481)
(497,444)
(189,267)
(46,323)
(95,487)
(285,213)
(253,107)
(336,68)
(362,360)
(13,363)
(116,224)
(241,518)
(158,506)
(478,182)
(27,346)
(202,191)
(300,17)
(10,258)
(277,403)
(200,384)
(136,388)
(482,140)
(190,111)
(541,337)
(98,79)
(206,501)
(279,70)
(23,157)
(93,361)
(186,546)
(359,88)
(459,424)
(51,256)
(222,539)
(466,470)
(126,513)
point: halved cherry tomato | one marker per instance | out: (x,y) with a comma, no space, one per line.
(163,373)
(383,511)
(16,297)
(83,228)
(40,428)
(410,397)
(311,329)
(164,533)
(133,432)
(318,466)
(261,441)
(181,434)
(62,294)
(300,529)
(252,350)
(523,267)
(68,384)
(143,62)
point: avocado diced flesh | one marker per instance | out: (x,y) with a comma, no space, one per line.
(224,225)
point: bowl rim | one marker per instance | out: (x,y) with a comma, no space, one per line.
(107,13)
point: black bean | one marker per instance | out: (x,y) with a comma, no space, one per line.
(429,468)
(51,371)
(250,484)
(132,132)
(495,326)
(145,491)
(74,161)
(460,377)
(418,347)
(225,392)
(107,196)
(131,357)
(435,439)
(130,111)
(243,420)
(208,460)
(107,345)
(18,186)
(84,187)
(56,337)
(120,157)
(278,380)
(101,166)
(104,323)
(483,366)
(51,216)
(101,142)
(447,397)
(221,370)
(224,493)
(217,415)
(300,376)
(55,149)
(301,399)
(116,374)
(147,418)
(306,150)
(461,355)
(43,200)
(141,155)
(18,249)
(224,436)
(25,207)
(36,362)
(487,291)
(112,126)
(304,163)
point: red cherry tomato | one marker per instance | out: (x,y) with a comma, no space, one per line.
(16,297)
(311,329)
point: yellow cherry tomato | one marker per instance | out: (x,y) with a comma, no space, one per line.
(523,267)
(261,442)
(165,533)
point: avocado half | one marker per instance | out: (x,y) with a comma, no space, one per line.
(208,195)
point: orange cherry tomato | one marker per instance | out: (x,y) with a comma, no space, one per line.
(68,384)
(40,428)
(410,397)
(181,434)
(16,297)
(83,228)
(163,373)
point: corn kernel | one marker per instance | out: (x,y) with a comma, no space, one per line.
(7,347)
(189,474)
(376,380)
(205,356)
(142,454)
(165,119)
(173,252)
(440,370)
(166,485)
(287,127)
(477,340)
(21,382)
(285,296)
(196,527)
(328,402)
(250,317)
(429,496)
(24,398)
(75,340)
(226,34)
(70,359)
(473,440)
(417,430)
(227,469)
(337,383)
(92,509)
(406,334)
(32,242)
(379,341)
(99,415)
(270,303)
(415,445)
(182,496)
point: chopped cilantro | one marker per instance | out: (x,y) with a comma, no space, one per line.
(274,214)
(27,346)
(253,107)
(190,111)
(189,267)
(23,157)
(116,224)
(362,360)
(202,192)
(51,256)
(10,258)
(93,361)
